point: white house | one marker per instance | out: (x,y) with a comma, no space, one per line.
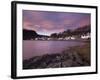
(73,38)
(60,38)
(67,38)
(85,36)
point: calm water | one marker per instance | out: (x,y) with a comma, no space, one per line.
(36,48)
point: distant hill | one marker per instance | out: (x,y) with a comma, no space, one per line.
(84,29)
(78,31)
(31,34)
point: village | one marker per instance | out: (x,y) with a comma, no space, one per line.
(74,37)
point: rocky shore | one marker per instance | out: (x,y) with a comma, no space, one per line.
(72,57)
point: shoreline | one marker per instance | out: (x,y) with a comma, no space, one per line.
(71,57)
(81,40)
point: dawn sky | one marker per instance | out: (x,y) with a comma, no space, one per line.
(45,23)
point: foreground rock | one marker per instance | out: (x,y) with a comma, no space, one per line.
(67,58)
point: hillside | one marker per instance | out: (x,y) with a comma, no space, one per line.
(76,32)
(31,34)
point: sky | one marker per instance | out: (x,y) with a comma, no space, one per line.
(47,22)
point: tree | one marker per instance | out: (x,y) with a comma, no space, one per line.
(54,35)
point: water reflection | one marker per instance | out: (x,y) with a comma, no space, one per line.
(37,48)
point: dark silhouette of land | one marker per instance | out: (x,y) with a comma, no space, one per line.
(78,32)
(31,34)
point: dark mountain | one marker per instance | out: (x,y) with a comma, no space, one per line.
(84,29)
(31,34)
(78,31)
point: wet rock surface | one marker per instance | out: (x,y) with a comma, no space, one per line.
(58,60)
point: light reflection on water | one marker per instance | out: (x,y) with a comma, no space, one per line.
(37,48)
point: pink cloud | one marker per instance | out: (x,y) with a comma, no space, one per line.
(84,22)
(47,24)
(28,25)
